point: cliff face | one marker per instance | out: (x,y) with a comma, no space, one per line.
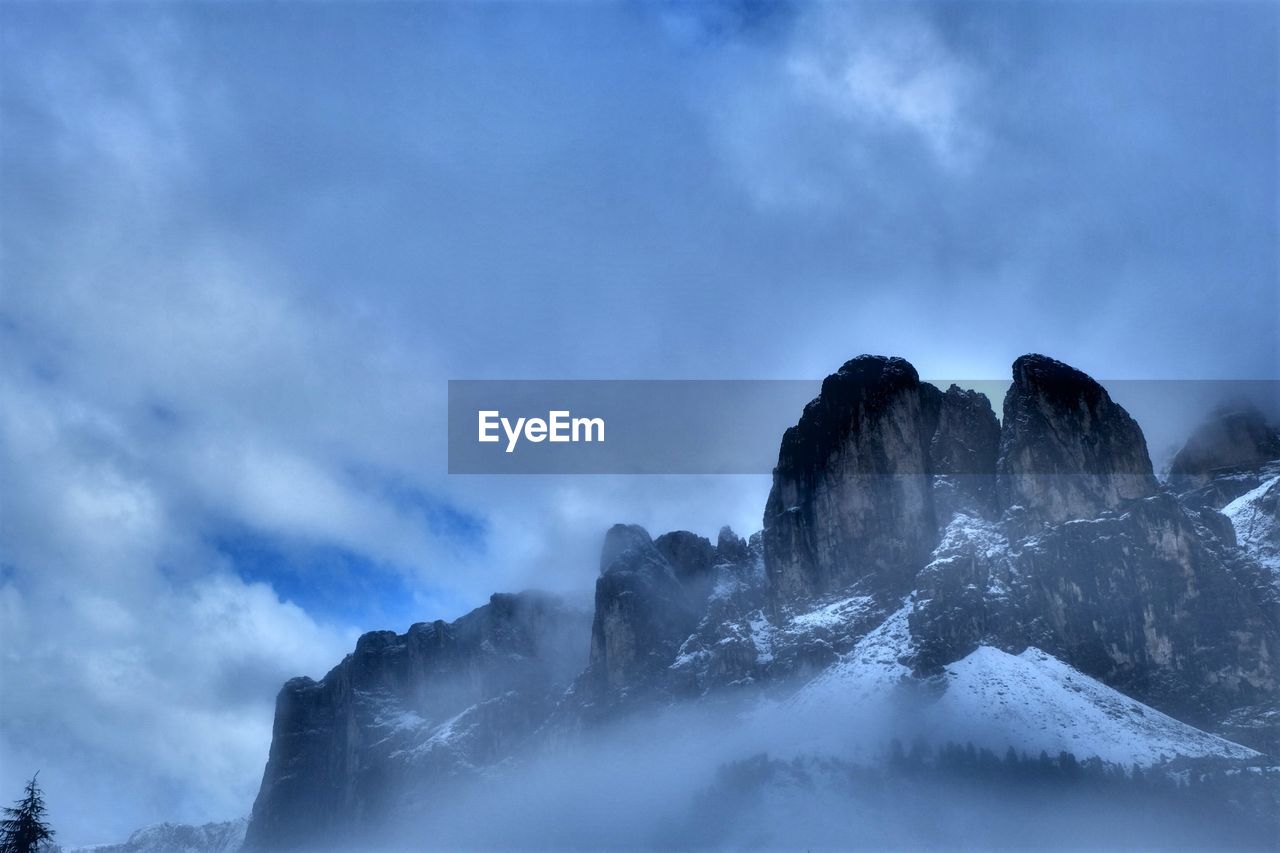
(1145,601)
(908,531)
(851,497)
(1061,541)
(648,598)
(1066,450)
(406,711)
(1148,600)
(963,454)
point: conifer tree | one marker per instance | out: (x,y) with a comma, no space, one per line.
(24,829)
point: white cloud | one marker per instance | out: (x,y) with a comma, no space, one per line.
(158,382)
(120,677)
(855,85)
(887,74)
(138,670)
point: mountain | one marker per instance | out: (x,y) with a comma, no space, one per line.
(1235,440)
(926,572)
(225,837)
(440,700)
(1030,702)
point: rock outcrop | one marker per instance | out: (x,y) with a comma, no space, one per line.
(1232,439)
(650,596)
(1091,564)
(643,611)
(965,596)
(1233,452)
(1067,451)
(963,454)
(405,712)
(1145,602)
(851,498)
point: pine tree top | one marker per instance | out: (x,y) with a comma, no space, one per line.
(24,828)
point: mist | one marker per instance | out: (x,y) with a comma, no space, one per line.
(726,775)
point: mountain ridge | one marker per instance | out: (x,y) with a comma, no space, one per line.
(1030,552)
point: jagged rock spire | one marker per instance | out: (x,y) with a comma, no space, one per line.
(851,498)
(1066,449)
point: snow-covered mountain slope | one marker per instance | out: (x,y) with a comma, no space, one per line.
(872,671)
(1029,701)
(1255,516)
(224,837)
(1034,701)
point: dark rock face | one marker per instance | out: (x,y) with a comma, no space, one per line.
(742,643)
(1147,601)
(692,558)
(724,649)
(1230,440)
(688,553)
(963,453)
(1144,602)
(620,540)
(965,595)
(649,600)
(404,712)
(1092,565)
(730,547)
(851,498)
(643,609)
(1066,450)
(1130,586)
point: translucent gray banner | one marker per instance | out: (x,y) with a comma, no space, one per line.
(717,426)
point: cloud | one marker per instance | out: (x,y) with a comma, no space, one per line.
(138,674)
(244,248)
(889,75)
(849,91)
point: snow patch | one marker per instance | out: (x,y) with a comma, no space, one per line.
(1033,702)
(833,615)
(761,637)
(1254,517)
(1030,701)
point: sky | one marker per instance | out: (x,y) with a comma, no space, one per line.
(244,246)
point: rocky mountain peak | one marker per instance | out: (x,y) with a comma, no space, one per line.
(690,555)
(1056,381)
(872,374)
(851,501)
(647,601)
(1067,450)
(621,539)
(1236,437)
(730,547)
(346,748)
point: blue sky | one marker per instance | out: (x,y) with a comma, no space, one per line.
(245,245)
